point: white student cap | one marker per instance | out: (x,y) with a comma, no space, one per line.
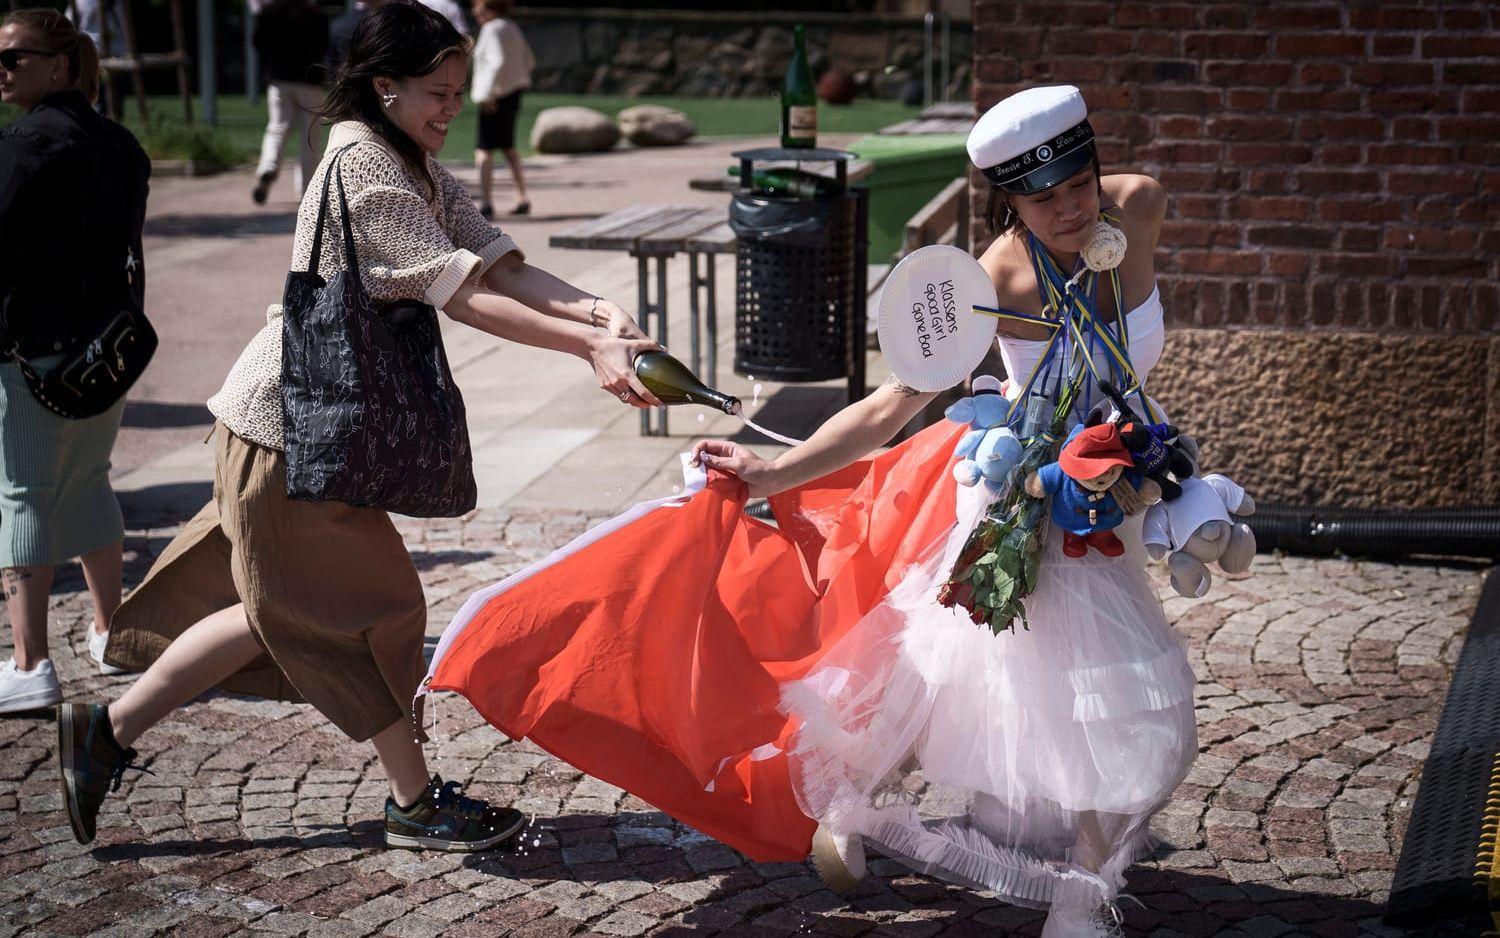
(1033,139)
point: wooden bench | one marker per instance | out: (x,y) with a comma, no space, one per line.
(652,234)
(943,220)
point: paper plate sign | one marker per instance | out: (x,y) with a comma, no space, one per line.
(929,332)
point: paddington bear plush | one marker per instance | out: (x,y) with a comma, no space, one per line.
(1092,460)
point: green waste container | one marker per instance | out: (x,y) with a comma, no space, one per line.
(909,171)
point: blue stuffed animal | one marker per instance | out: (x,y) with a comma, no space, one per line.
(989,451)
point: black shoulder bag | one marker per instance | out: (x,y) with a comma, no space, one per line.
(89,382)
(371,415)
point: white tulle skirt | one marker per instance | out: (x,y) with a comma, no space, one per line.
(1027,763)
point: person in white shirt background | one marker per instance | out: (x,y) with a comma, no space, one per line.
(451,11)
(502,70)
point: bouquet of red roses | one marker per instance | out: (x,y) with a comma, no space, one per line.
(998,566)
(999,563)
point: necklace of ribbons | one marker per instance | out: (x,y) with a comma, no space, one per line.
(1070,313)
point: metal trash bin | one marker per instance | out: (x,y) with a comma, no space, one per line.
(801,274)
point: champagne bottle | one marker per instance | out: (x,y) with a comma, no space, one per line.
(791,183)
(785,182)
(799,100)
(672,383)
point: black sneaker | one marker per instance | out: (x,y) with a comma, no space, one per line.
(262,188)
(522,208)
(445,820)
(92,763)
(487,210)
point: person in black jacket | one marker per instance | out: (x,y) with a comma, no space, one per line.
(292,38)
(72,203)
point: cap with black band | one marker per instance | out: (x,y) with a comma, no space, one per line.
(1033,140)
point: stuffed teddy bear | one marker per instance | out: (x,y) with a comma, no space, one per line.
(1091,461)
(1199,528)
(990,450)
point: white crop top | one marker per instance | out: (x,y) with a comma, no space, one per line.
(1148,336)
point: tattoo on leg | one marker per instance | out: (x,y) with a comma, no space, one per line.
(901,387)
(13,578)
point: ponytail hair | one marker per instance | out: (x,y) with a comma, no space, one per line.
(55,33)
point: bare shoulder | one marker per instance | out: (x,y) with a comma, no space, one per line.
(1142,197)
(1010,271)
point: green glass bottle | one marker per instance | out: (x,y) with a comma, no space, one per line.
(791,183)
(673,383)
(799,100)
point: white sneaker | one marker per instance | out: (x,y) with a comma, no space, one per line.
(97,642)
(28,690)
(839,859)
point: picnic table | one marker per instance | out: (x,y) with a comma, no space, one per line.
(652,234)
(951,118)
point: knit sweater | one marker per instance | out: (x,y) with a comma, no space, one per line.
(410,247)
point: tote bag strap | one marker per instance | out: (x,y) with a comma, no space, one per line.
(351,259)
(317,245)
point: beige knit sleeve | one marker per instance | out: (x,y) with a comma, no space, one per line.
(404,254)
(467,227)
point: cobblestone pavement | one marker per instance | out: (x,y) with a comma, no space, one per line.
(1320,686)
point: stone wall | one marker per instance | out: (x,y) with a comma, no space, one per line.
(632,52)
(1329,263)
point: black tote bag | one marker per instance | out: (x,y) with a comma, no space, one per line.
(371,415)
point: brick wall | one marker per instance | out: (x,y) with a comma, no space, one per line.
(1333,164)
(1331,258)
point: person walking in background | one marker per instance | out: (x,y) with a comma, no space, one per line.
(502,70)
(318,600)
(292,38)
(72,202)
(341,34)
(451,11)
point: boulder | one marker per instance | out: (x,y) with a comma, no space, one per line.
(651,125)
(573,130)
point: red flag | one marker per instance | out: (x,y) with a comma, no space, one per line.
(650,652)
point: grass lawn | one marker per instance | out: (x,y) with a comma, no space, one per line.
(241,123)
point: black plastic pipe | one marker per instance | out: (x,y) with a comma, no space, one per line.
(1361,532)
(1367,532)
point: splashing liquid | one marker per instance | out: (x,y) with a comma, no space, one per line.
(770,434)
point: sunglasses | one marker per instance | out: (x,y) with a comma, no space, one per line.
(10,58)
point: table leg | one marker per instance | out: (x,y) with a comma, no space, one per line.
(693,284)
(861,298)
(647,309)
(711,314)
(661,321)
(643,316)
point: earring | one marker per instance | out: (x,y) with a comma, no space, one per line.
(388,98)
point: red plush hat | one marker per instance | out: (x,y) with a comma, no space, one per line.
(1090,454)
